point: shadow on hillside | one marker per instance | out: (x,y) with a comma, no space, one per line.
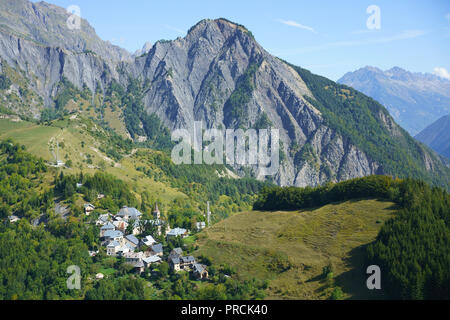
(310,209)
(353,282)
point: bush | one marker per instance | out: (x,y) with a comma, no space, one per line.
(337,294)
(5,82)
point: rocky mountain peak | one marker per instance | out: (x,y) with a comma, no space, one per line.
(46,25)
(217,74)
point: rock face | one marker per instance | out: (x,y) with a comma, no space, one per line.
(35,38)
(46,24)
(415,100)
(145,49)
(437,136)
(193,78)
(218,74)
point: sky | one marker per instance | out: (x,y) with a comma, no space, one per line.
(329,38)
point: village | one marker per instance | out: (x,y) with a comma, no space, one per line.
(119,236)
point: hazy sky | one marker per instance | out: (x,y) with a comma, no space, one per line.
(329,38)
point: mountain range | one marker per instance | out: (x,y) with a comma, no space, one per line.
(218,74)
(415,100)
(437,136)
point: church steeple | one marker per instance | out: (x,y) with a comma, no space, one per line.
(156,213)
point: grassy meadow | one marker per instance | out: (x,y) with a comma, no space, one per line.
(261,244)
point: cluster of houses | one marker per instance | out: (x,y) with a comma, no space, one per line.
(142,253)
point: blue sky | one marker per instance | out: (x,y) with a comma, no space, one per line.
(329,38)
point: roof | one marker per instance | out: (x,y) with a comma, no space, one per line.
(129,246)
(151,259)
(132,239)
(124,249)
(113,244)
(157,248)
(139,264)
(189,259)
(113,234)
(86,205)
(134,255)
(177,232)
(120,224)
(103,217)
(175,260)
(199,268)
(108,226)
(148,239)
(131,212)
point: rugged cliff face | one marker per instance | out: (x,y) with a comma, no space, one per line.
(217,74)
(197,77)
(35,39)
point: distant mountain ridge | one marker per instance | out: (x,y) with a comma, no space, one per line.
(220,75)
(415,100)
(437,136)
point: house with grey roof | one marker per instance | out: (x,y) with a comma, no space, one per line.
(175,263)
(107,227)
(129,213)
(188,261)
(157,249)
(112,248)
(132,241)
(115,235)
(123,249)
(200,272)
(139,266)
(178,262)
(174,259)
(102,219)
(148,241)
(148,261)
(120,225)
(177,232)
(133,257)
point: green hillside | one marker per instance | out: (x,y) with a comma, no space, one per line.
(291,248)
(413,248)
(85,146)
